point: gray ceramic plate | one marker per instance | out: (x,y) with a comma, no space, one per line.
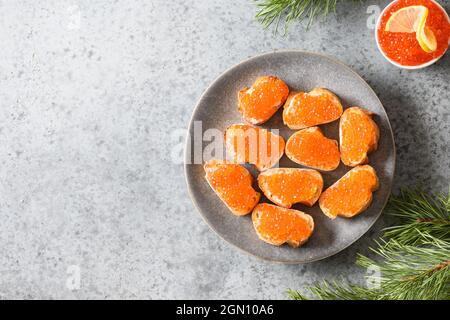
(301,70)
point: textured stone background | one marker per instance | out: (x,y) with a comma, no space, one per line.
(90,92)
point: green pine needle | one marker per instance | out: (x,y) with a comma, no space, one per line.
(412,260)
(276,12)
(336,290)
(411,271)
(419,212)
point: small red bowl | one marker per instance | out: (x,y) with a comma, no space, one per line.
(420,66)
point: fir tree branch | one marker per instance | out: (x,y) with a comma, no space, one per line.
(412,263)
(336,290)
(419,212)
(405,272)
(285,12)
(411,271)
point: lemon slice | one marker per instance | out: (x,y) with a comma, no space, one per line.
(413,19)
(426,39)
(407,19)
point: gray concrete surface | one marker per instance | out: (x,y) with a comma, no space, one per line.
(90,92)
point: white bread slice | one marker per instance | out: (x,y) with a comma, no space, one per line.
(246,143)
(233,184)
(355,152)
(298,115)
(300,146)
(289,226)
(287,186)
(351,194)
(260,102)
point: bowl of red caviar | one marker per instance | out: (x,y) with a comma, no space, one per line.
(413,34)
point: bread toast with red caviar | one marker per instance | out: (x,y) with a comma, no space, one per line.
(257,146)
(260,102)
(351,194)
(358,135)
(233,184)
(287,186)
(310,147)
(303,110)
(277,225)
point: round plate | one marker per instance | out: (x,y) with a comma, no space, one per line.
(217,109)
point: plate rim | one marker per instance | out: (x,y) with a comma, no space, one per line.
(186,141)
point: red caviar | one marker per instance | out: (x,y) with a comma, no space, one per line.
(403,47)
